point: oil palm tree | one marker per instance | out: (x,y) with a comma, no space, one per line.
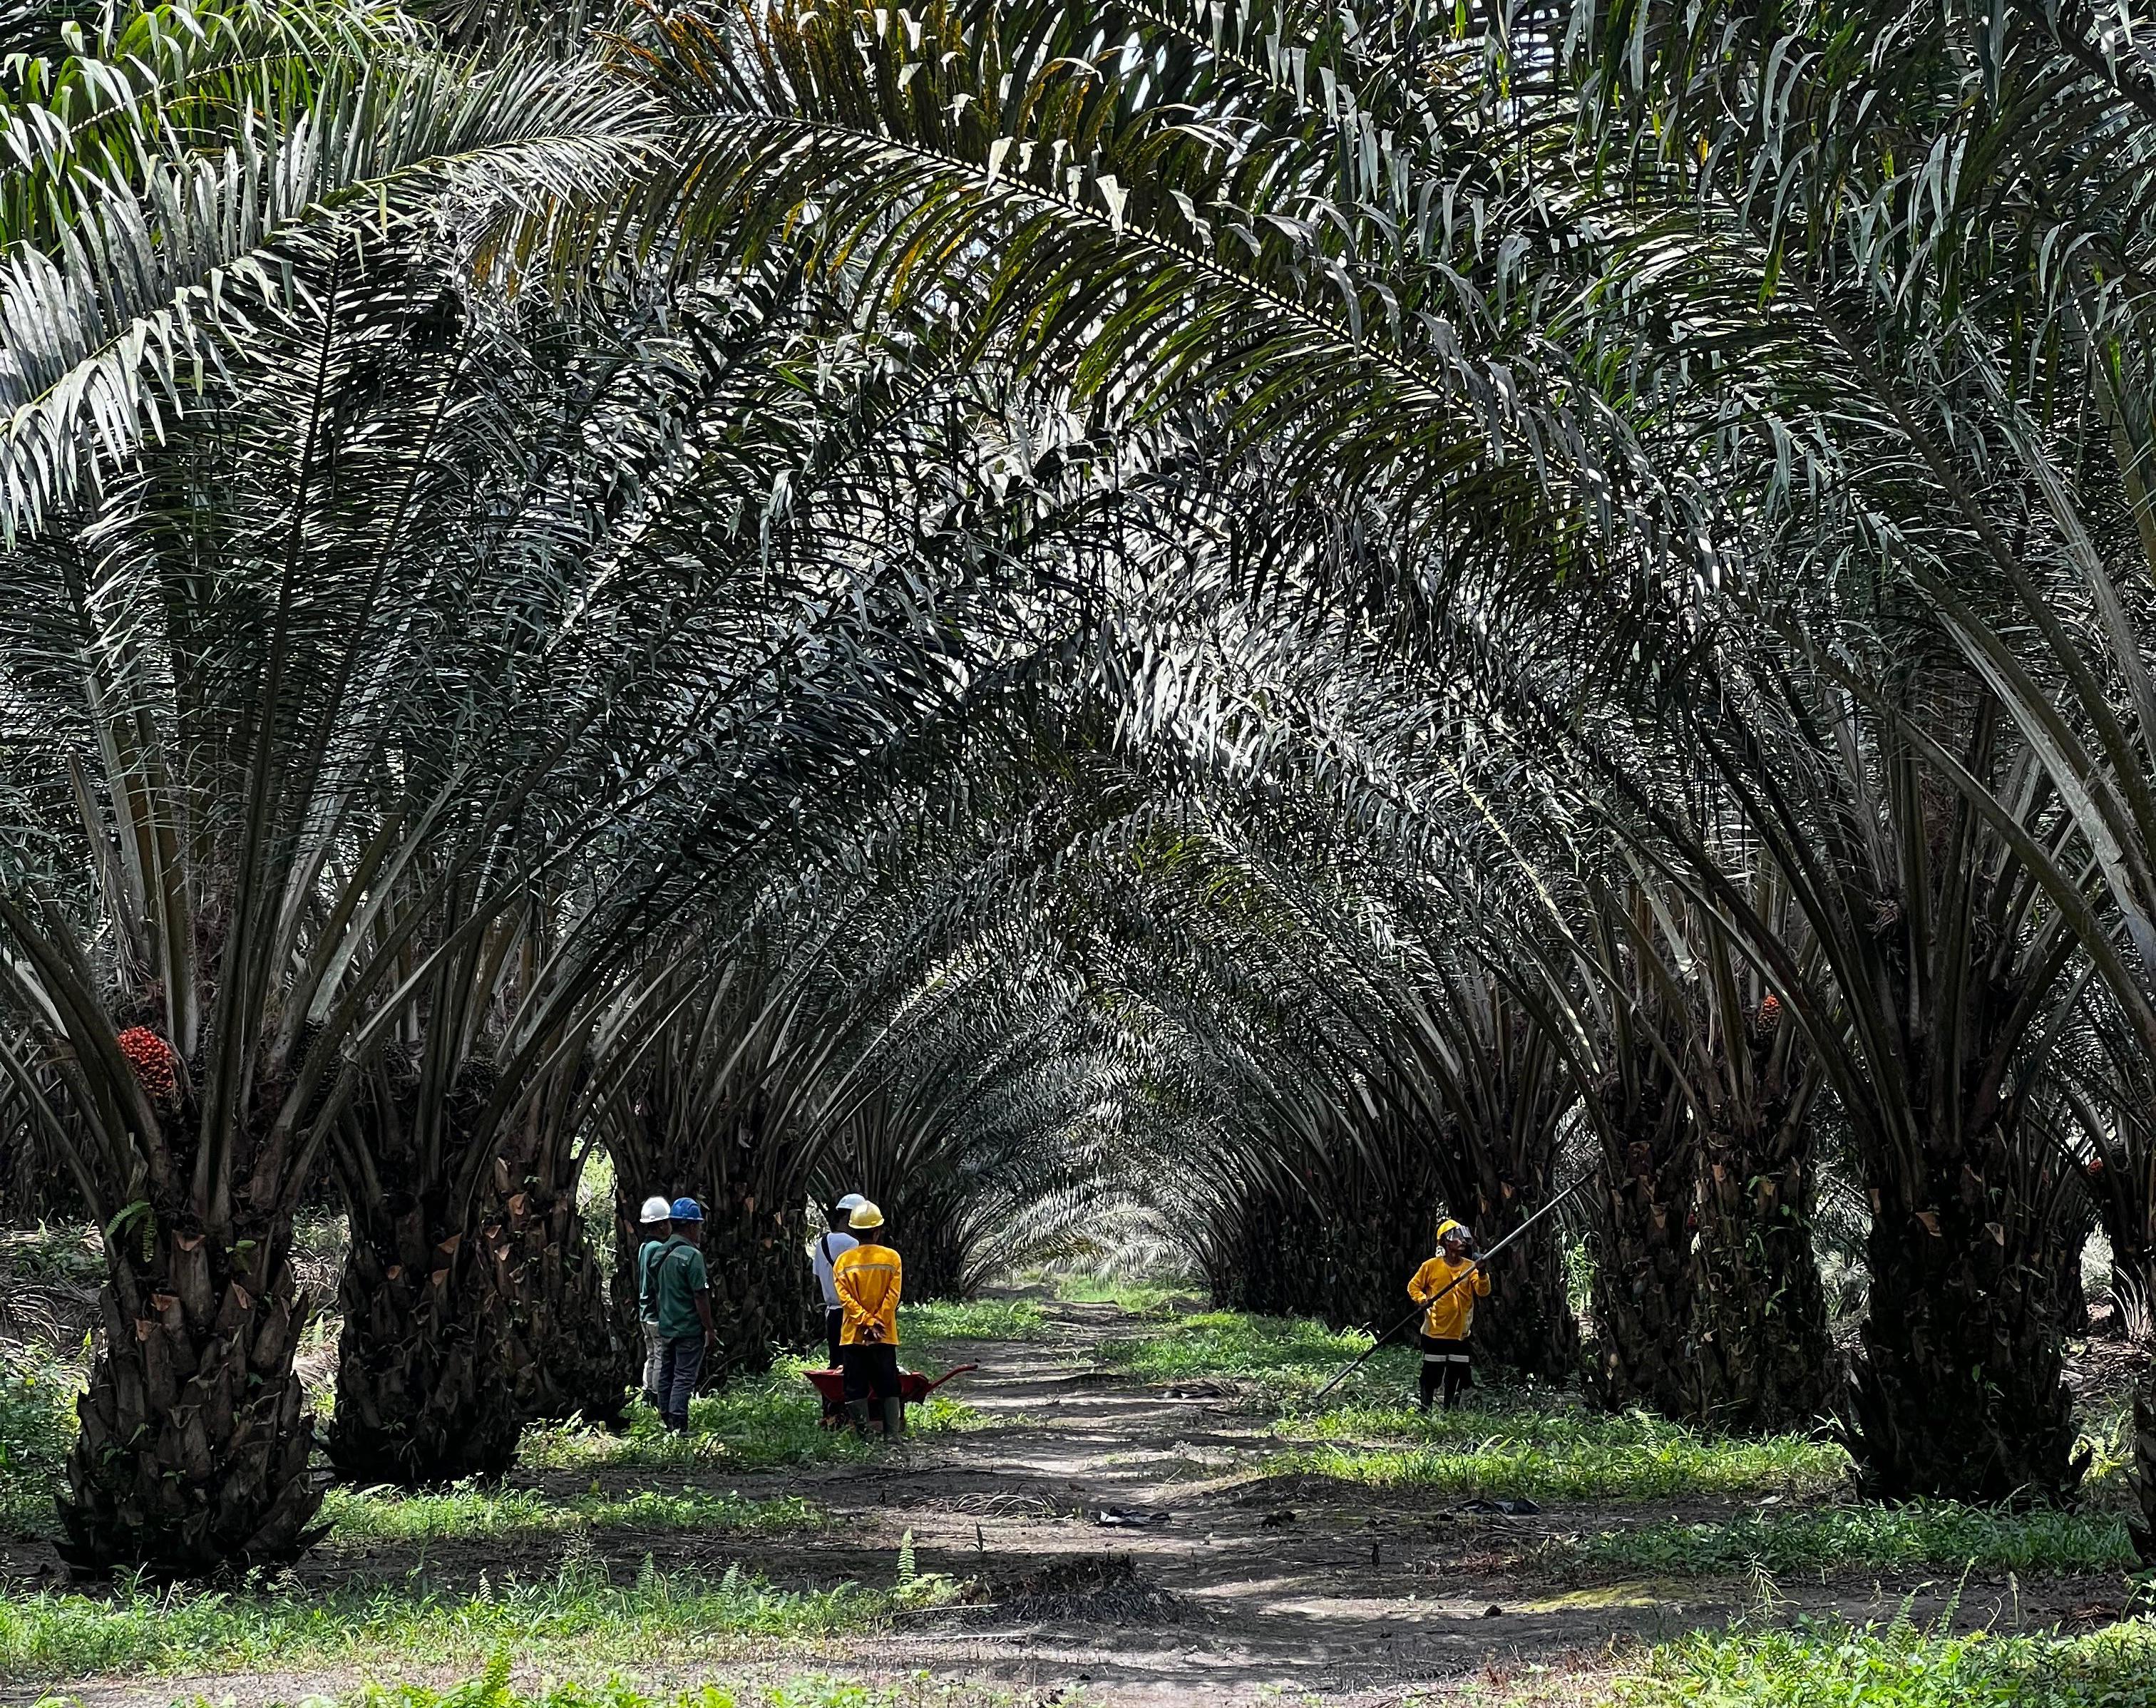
(204,640)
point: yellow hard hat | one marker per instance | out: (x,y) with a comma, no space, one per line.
(864,1215)
(1450,1226)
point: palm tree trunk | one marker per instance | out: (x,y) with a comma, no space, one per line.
(763,1291)
(1643,1275)
(1381,1215)
(566,1356)
(2144,1528)
(935,1266)
(424,1395)
(1961,1393)
(1765,1359)
(1527,1322)
(1271,1263)
(1375,1247)
(192,1453)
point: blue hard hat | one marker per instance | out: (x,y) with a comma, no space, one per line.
(687,1210)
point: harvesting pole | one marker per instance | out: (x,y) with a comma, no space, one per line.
(1481,1258)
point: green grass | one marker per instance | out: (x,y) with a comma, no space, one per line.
(971,1319)
(1544,1446)
(1138,1298)
(476,1513)
(1277,1358)
(1942,1535)
(1500,1467)
(755,1421)
(576,1616)
(493,1690)
(1823,1665)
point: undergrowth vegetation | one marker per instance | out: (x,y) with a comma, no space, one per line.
(37,1427)
(1145,1299)
(493,1690)
(576,1616)
(970,1320)
(1275,1360)
(771,1419)
(1561,1457)
(1827,1665)
(477,1513)
(1941,1536)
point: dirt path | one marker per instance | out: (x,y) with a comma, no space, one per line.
(1249,1589)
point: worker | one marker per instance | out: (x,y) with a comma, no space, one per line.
(1448,1283)
(655,1219)
(682,1287)
(833,1240)
(868,1279)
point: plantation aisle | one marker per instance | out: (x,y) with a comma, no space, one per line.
(1253,1585)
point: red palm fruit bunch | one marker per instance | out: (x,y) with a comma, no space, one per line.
(1770,1015)
(154,1064)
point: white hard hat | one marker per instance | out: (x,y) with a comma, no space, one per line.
(852,1200)
(655,1209)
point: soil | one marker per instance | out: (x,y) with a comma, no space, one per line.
(1245,1590)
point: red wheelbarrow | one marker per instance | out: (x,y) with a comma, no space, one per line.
(913,1387)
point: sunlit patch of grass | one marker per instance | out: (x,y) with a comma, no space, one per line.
(972,1319)
(1830,1665)
(576,1616)
(1563,1448)
(493,1690)
(477,1512)
(1276,1358)
(1942,1535)
(1499,1467)
(1136,1298)
(755,1421)
(1552,1450)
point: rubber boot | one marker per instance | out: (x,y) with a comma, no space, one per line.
(858,1410)
(894,1418)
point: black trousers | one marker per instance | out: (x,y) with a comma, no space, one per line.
(871,1371)
(1445,1364)
(835,1317)
(680,1361)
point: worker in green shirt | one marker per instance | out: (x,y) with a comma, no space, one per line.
(682,1289)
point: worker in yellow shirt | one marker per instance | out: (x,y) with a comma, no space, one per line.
(1449,1283)
(867,1280)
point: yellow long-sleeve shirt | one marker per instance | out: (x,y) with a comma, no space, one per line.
(1452,1317)
(868,1279)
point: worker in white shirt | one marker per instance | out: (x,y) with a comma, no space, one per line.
(829,1245)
